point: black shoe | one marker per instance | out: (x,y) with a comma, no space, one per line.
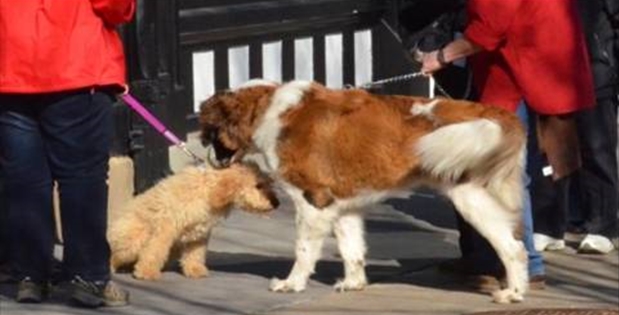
(5,273)
(94,294)
(537,282)
(29,291)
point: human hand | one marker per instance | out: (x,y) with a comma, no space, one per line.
(429,62)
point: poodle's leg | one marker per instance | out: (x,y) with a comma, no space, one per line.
(313,225)
(155,253)
(121,258)
(494,222)
(349,231)
(193,258)
(126,240)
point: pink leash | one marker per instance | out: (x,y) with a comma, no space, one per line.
(158,125)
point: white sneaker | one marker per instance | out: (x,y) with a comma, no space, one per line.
(596,244)
(544,242)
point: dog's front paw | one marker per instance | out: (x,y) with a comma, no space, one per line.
(343,285)
(195,271)
(507,296)
(288,286)
(146,273)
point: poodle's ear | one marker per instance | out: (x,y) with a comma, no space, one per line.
(222,195)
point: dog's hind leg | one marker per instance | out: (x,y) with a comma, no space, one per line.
(497,224)
(126,239)
(349,231)
(155,253)
(121,258)
(193,259)
(313,226)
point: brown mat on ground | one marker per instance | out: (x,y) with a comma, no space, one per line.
(563,311)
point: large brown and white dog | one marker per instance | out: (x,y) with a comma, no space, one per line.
(334,151)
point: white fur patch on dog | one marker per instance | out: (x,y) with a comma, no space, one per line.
(448,151)
(424,109)
(265,138)
(256,82)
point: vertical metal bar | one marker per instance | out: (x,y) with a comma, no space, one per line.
(320,73)
(221,68)
(288,59)
(348,58)
(255,60)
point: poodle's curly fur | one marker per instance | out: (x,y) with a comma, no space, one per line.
(179,213)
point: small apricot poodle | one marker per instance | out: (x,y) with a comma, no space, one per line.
(178,214)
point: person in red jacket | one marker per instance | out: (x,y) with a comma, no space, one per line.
(60,64)
(533,51)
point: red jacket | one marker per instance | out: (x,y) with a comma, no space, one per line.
(533,49)
(58,45)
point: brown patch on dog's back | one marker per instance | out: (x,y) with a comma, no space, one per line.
(336,143)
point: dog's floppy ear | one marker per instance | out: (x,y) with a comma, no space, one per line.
(211,117)
(222,118)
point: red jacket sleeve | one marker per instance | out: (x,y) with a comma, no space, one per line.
(489,20)
(114,12)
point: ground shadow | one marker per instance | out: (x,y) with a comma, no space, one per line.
(327,271)
(427,205)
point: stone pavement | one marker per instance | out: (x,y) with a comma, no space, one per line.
(406,239)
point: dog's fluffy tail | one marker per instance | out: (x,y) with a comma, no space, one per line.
(451,150)
(480,150)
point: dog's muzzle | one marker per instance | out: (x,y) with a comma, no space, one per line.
(213,161)
(219,160)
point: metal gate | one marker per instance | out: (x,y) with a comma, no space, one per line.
(180,51)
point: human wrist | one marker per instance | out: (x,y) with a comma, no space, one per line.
(440,57)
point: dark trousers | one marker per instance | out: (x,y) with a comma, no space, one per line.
(588,199)
(4,243)
(63,138)
(597,180)
(551,201)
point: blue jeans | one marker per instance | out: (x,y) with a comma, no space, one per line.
(536,261)
(61,138)
(478,251)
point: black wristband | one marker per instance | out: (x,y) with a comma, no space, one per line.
(440,57)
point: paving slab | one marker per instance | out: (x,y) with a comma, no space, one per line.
(575,282)
(407,238)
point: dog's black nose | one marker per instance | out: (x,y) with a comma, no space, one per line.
(266,189)
(222,153)
(273,200)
